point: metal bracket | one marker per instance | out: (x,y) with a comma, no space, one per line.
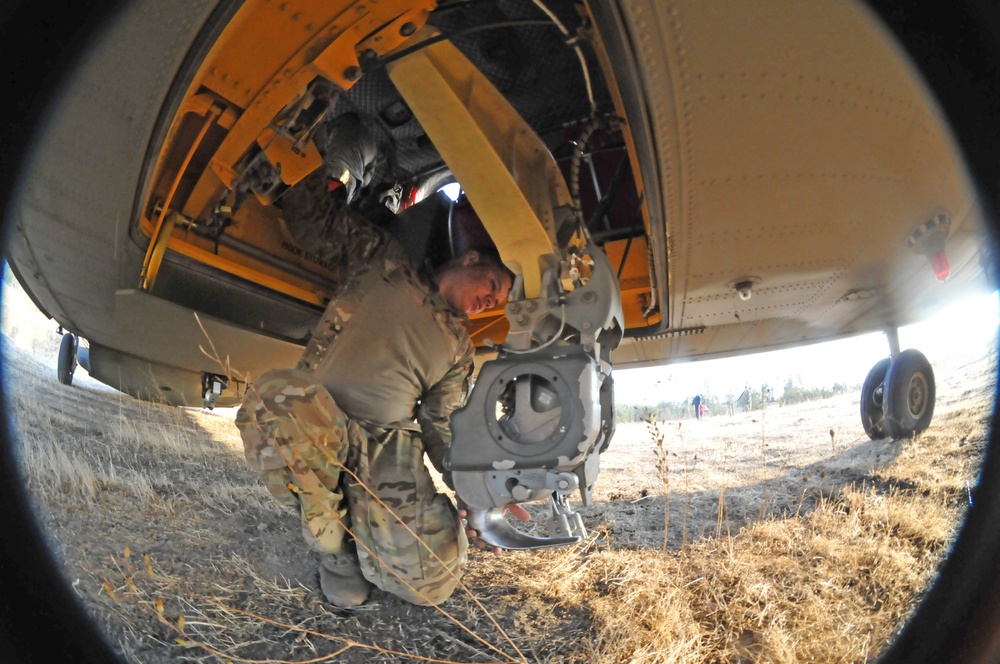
(564,525)
(540,414)
(212,386)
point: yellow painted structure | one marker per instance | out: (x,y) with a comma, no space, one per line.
(506,171)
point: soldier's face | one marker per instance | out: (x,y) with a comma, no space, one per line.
(474,288)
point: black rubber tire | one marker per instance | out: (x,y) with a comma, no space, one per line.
(909,395)
(67,359)
(872,411)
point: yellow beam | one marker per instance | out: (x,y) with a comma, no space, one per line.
(505,169)
(317,39)
(154,252)
(244,272)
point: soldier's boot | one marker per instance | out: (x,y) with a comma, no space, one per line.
(341,580)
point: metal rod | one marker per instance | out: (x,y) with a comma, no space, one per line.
(150,266)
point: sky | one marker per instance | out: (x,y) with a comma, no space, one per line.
(965,324)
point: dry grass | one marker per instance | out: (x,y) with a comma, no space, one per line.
(82,449)
(830,586)
(814,548)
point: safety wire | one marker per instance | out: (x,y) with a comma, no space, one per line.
(573,41)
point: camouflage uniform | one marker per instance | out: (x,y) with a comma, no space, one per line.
(341,438)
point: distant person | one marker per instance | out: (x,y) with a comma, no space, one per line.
(746,399)
(704,410)
(696,402)
(731,404)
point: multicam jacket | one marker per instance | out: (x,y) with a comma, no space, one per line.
(389,349)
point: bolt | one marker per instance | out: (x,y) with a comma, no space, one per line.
(522,320)
(563,484)
(530,305)
(352,73)
(589,296)
(368,54)
(408,28)
(513,307)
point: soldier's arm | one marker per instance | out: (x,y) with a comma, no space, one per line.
(436,408)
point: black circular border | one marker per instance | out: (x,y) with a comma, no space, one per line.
(956,45)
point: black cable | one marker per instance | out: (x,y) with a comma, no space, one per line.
(381,62)
(621,268)
(609,196)
(443,9)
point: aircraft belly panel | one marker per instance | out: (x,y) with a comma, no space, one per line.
(151,381)
(200,288)
(790,146)
(68,268)
(152,327)
(70,243)
(799,151)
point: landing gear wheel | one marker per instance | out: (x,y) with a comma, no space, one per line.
(909,394)
(67,359)
(872,399)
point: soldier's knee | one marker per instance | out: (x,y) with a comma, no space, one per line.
(288,406)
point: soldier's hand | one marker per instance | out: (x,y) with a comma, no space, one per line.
(519,513)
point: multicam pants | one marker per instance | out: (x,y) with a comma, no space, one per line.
(311,456)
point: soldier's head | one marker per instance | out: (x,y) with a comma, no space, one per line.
(474,282)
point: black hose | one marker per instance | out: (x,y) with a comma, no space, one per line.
(381,62)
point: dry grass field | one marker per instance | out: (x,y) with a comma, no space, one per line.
(788,536)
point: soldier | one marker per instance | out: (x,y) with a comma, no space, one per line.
(341,437)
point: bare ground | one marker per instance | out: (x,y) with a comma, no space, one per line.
(784,526)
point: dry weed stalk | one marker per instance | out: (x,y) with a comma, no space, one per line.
(783,590)
(662,455)
(687,494)
(209,618)
(227,369)
(722,489)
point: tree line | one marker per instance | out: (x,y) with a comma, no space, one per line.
(677,410)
